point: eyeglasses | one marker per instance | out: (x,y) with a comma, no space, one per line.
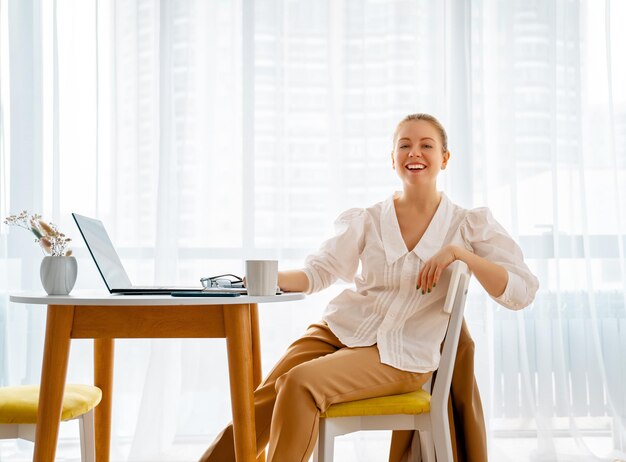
(223,280)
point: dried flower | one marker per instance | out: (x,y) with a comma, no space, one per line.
(52,242)
(35,229)
(46,244)
(46,228)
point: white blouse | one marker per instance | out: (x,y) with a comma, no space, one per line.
(384,307)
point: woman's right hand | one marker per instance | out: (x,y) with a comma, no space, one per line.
(293,281)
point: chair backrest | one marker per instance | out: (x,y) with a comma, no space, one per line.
(455,304)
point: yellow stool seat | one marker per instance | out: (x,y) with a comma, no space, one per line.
(18,405)
(415,402)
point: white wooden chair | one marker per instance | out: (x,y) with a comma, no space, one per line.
(18,413)
(417,410)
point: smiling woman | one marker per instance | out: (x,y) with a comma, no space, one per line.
(383,337)
(206,133)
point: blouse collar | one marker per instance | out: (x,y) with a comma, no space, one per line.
(428,245)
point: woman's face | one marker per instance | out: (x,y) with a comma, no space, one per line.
(418,154)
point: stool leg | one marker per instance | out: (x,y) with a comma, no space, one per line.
(87,437)
(24,431)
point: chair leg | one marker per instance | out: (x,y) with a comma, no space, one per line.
(87,437)
(427,446)
(316,450)
(325,444)
(443,447)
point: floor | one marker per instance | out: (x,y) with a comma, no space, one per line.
(365,447)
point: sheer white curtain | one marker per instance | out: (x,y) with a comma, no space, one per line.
(206,132)
(549,160)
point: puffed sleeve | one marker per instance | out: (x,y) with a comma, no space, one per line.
(489,240)
(338,257)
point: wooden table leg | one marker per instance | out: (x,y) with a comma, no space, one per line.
(239,347)
(256,345)
(257,372)
(103,379)
(53,372)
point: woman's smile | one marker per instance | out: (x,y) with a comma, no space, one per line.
(415,167)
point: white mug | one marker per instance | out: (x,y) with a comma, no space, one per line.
(261,277)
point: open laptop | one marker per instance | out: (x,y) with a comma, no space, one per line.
(110,266)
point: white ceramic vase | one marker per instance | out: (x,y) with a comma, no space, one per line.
(58,274)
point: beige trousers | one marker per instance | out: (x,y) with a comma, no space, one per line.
(316,371)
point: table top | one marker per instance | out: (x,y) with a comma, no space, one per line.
(99,298)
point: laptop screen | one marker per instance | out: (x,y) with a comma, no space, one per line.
(103,252)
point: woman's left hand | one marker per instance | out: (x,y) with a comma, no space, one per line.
(431,271)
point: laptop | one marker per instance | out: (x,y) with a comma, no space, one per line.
(111,269)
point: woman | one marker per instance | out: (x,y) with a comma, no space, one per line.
(382,337)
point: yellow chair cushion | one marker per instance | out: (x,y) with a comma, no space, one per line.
(415,402)
(19,404)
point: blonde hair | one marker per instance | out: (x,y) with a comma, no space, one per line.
(428,118)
